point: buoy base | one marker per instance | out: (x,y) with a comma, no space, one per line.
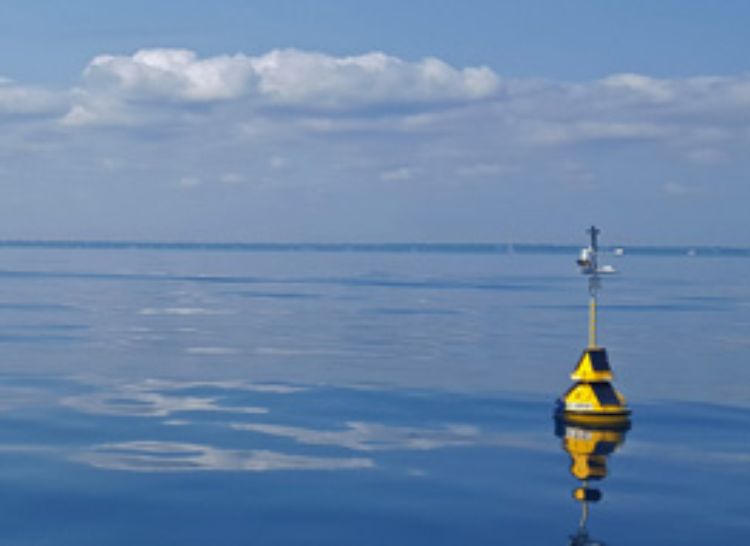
(565,421)
(612,420)
(572,410)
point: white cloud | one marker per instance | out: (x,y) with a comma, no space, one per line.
(175,74)
(92,110)
(189,182)
(482,170)
(696,96)
(677,189)
(555,133)
(577,177)
(650,89)
(707,156)
(277,162)
(286,93)
(289,77)
(294,77)
(18,100)
(400,174)
(232,178)
(272,143)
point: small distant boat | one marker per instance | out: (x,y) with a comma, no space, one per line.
(619,251)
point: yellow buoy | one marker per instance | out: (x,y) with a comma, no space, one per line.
(593,399)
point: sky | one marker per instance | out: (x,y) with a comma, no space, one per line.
(363,121)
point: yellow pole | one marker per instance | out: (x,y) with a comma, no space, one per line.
(592,322)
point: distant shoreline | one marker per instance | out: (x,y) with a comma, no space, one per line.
(393,248)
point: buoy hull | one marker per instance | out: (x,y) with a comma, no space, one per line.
(594,397)
(619,420)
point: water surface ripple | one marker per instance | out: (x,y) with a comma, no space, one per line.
(190,395)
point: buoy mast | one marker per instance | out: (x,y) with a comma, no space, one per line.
(592,398)
(593,288)
(594,283)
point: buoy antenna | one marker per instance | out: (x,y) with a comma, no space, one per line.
(594,232)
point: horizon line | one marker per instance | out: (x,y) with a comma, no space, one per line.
(396,247)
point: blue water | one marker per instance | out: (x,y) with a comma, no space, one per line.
(232,395)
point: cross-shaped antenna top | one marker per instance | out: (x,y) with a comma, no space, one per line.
(594,232)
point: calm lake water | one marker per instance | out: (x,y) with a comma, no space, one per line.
(197,396)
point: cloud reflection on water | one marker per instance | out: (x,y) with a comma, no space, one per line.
(359,436)
(736,459)
(170,399)
(239,386)
(182,311)
(212,351)
(154,456)
(146,400)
